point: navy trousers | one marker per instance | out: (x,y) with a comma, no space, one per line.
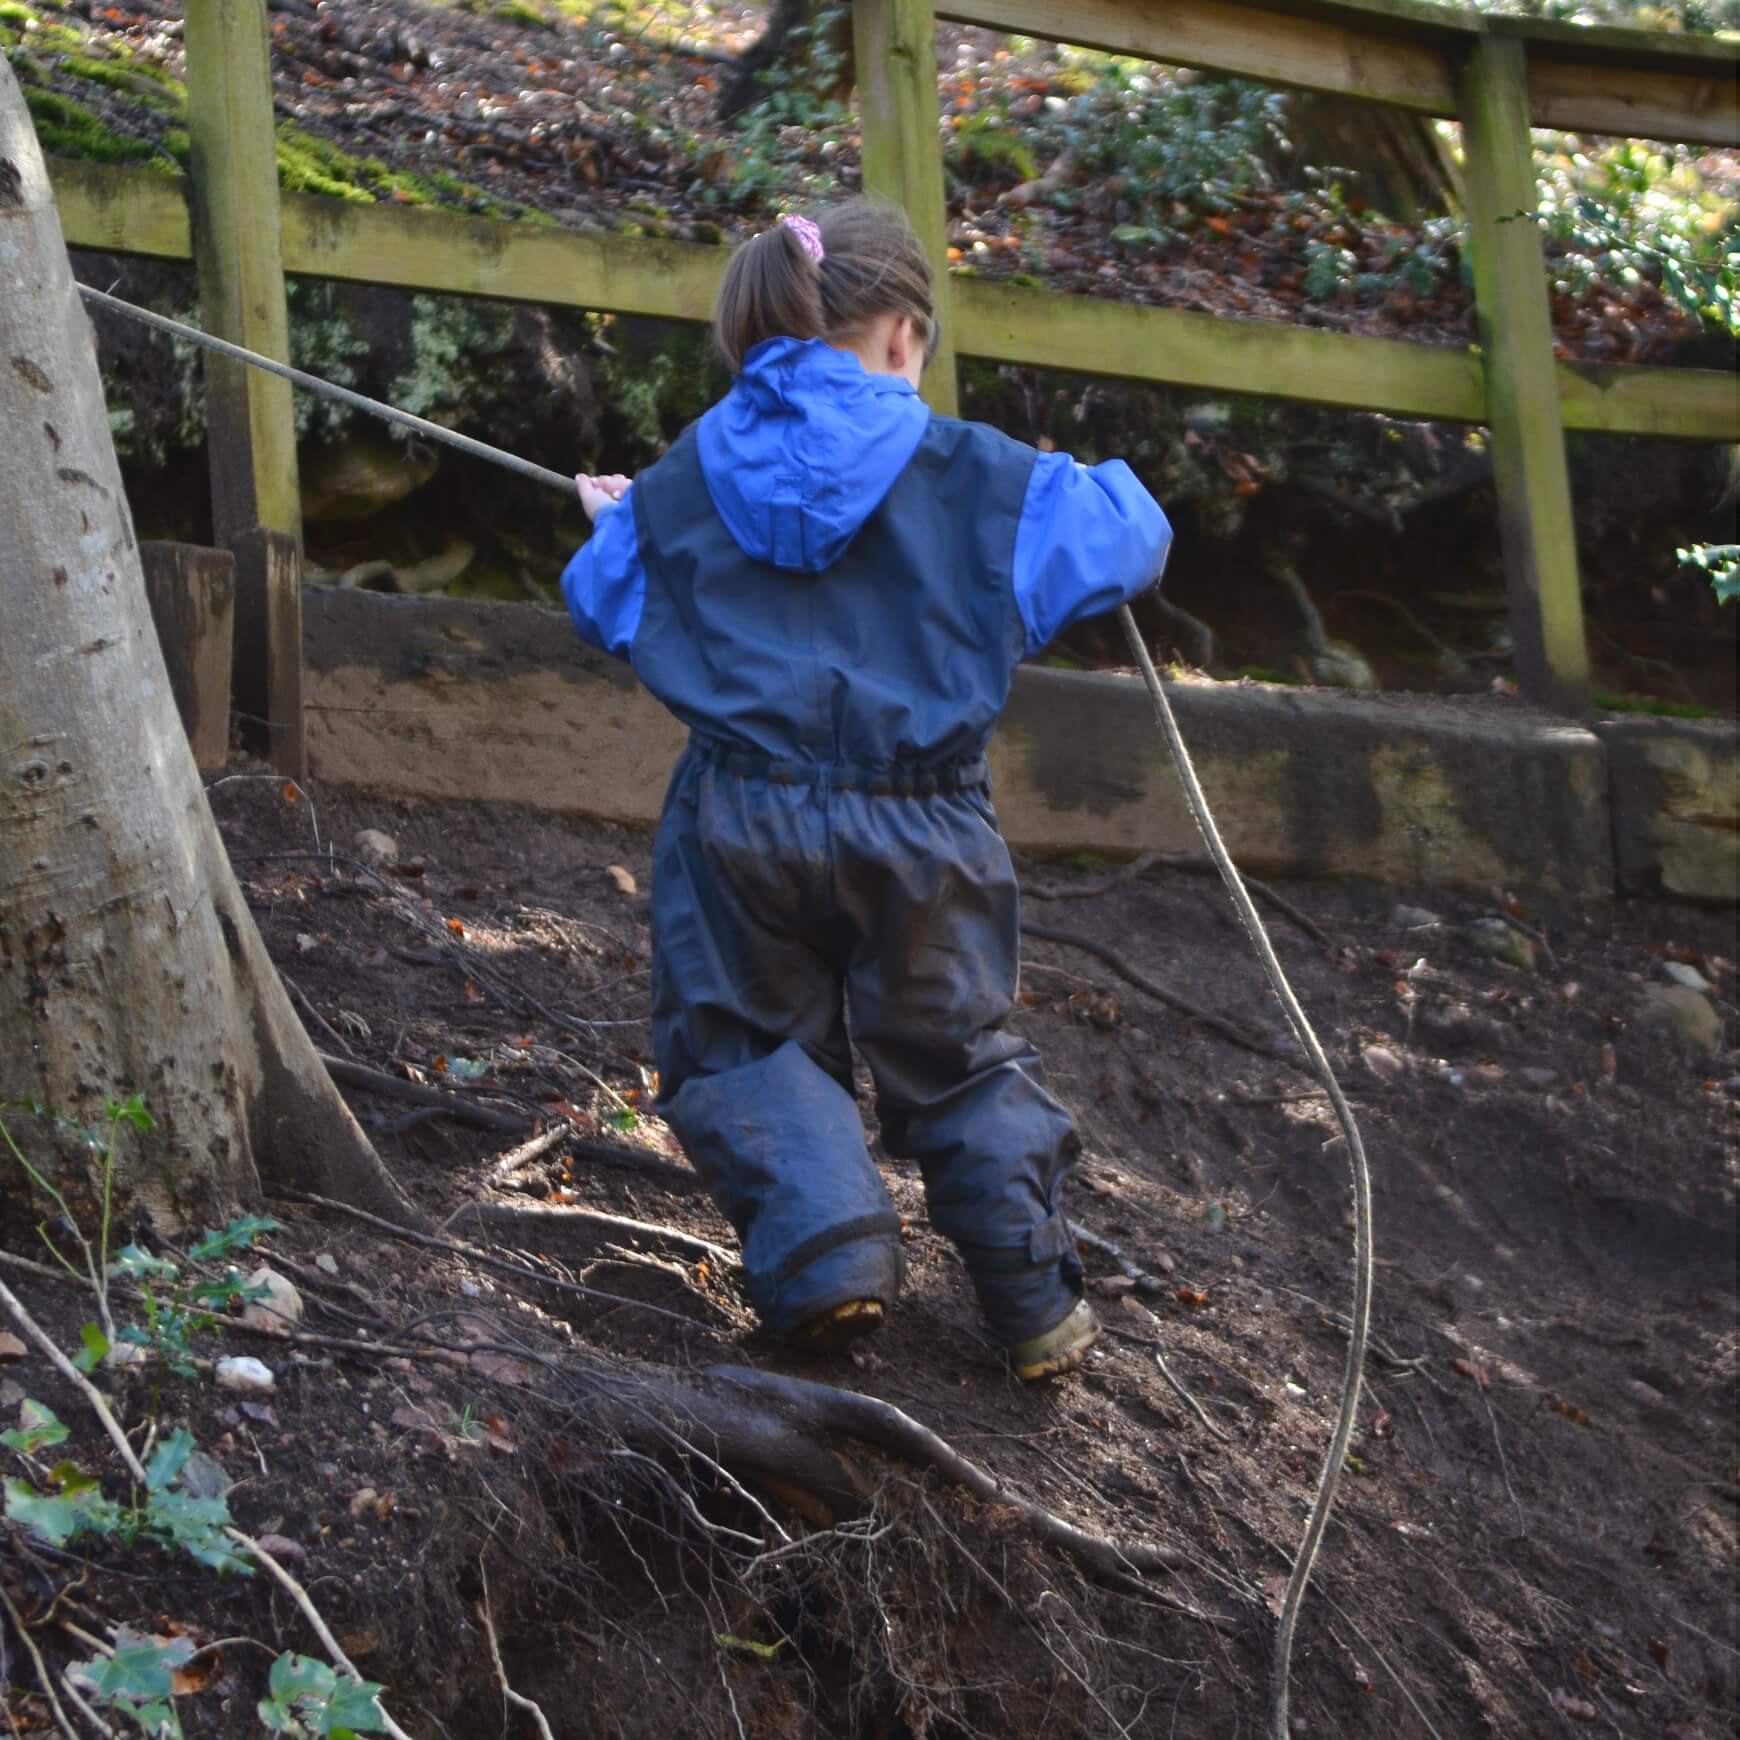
(786,902)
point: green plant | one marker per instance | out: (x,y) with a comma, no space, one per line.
(138,1680)
(306,1698)
(176,1519)
(1720,562)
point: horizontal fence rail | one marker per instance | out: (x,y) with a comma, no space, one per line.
(138,211)
(1637,83)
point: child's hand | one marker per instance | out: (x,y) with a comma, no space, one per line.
(600,494)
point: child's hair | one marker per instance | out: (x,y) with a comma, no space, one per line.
(871,264)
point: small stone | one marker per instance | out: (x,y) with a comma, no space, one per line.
(1164,1265)
(282,1547)
(1112,1285)
(1496,940)
(249,1376)
(624,879)
(11,1347)
(326,1263)
(278,1310)
(1685,1017)
(11,1394)
(1383,1063)
(363,1501)
(1678,973)
(1536,1076)
(1413,918)
(374,847)
(1645,1395)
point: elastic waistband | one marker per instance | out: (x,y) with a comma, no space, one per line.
(900,781)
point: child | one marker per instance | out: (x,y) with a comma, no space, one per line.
(832,588)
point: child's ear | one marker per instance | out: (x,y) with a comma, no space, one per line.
(906,351)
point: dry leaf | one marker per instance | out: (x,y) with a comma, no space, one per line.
(1472,1369)
(624,879)
(11,1347)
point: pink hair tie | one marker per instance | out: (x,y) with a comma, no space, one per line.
(808,235)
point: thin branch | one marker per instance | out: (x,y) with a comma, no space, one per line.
(1114,1254)
(1228,1030)
(473,1254)
(348,1073)
(311,1613)
(1188,1399)
(39,1664)
(518,1700)
(76,1378)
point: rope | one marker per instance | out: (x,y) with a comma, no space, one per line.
(326,390)
(1330,1478)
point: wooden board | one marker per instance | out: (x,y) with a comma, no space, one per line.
(1530,474)
(1646,83)
(192,592)
(135,211)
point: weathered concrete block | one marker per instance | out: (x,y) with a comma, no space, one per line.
(438,697)
(1676,807)
(1397,788)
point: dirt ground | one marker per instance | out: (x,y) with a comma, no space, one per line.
(1537,1534)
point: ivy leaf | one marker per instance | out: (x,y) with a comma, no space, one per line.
(94,1351)
(134,1263)
(79,1507)
(168,1459)
(355,1708)
(239,1235)
(37,1428)
(141,1669)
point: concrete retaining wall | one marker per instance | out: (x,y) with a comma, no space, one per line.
(447,699)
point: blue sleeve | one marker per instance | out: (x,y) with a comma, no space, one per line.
(1089,540)
(605,584)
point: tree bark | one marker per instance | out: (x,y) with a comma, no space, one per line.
(128,960)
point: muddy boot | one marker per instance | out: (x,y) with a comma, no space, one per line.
(836,1329)
(1062,1348)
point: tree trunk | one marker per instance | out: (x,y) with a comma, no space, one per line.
(128,960)
(1395,162)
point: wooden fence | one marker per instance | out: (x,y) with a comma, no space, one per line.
(1498,76)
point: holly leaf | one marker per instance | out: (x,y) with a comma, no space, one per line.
(37,1428)
(168,1459)
(195,1526)
(239,1235)
(78,1508)
(134,1263)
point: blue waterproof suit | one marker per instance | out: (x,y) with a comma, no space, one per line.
(832,588)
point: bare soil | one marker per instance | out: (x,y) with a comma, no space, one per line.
(1538,1531)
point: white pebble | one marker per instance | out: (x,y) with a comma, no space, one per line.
(249,1376)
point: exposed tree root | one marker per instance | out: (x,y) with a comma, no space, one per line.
(546,1228)
(1228,1030)
(348,1073)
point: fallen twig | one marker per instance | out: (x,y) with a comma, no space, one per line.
(1188,1399)
(348,1073)
(1194,863)
(518,1700)
(1114,1254)
(36,1661)
(410,1235)
(76,1378)
(302,1000)
(517,1159)
(507,1218)
(1263,1047)
(311,1613)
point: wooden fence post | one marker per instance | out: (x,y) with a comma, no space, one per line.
(193,592)
(1516,335)
(268,662)
(236,243)
(894,44)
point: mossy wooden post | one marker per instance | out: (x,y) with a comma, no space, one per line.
(1522,394)
(234,164)
(250,432)
(894,44)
